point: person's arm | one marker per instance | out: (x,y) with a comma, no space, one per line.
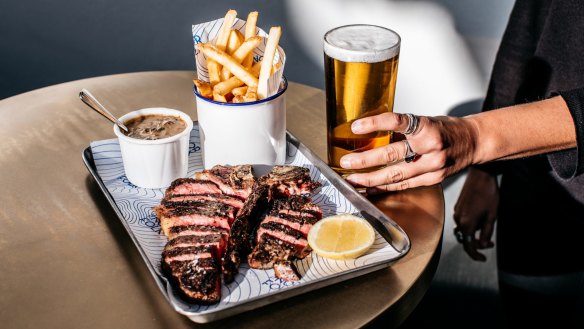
(523,130)
(446,145)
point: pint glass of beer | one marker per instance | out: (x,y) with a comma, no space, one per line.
(360,73)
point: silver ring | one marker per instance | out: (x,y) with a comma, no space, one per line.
(461,237)
(409,155)
(413,122)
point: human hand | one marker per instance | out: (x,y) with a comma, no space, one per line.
(476,210)
(444,145)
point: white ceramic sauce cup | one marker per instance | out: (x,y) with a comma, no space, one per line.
(243,133)
(155,163)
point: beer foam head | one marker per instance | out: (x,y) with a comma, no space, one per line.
(361,43)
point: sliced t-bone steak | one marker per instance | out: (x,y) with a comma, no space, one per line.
(191,186)
(215,240)
(194,271)
(171,202)
(298,206)
(232,180)
(285,181)
(211,221)
(285,233)
(282,233)
(204,213)
(269,251)
(183,230)
(296,212)
(239,244)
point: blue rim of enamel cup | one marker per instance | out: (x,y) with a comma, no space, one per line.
(283,87)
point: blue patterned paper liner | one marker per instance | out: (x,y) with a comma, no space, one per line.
(135,204)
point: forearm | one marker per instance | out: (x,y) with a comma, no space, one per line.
(523,130)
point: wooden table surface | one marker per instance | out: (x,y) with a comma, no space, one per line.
(67,261)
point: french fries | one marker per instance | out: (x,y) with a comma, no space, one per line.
(240,53)
(232,65)
(204,88)
(222,38)
(235,40)
(225,31)
(227,86)
(239,91)
(250,31)
(233,75)
(269,53)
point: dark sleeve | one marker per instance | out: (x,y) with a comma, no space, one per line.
(570,163)
(513,67)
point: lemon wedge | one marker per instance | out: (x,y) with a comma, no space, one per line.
(343,236)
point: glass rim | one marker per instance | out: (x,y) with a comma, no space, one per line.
(392,50)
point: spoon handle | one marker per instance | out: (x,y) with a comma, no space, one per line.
(92,102)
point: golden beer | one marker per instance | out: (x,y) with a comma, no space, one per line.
(360,74)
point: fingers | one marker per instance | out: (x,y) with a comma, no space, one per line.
(383,155)
(426,170)
(470,247)
(386,121)
(467,226)
(427,179)
(485,237)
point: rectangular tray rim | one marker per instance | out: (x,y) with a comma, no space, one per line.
(258,301)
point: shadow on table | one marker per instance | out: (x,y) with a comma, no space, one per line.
(131,255)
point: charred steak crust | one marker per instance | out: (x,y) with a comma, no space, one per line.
(191,186)
(282,234)
(197,281)
(176,199)
(298,203)
(239,243)
(297,219)
(208,208)
(232,180)
(272,226)
(196,240)
(235,176)
(194,272)
(268,251)
(195,212)
(285,181)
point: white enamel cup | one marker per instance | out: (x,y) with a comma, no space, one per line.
(243,133)
(155,163)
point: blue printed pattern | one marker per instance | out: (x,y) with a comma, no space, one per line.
(135,205)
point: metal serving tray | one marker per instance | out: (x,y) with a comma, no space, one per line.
(252,288)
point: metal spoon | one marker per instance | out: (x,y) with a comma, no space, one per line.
(92,102)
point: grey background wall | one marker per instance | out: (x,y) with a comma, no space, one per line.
(48,42)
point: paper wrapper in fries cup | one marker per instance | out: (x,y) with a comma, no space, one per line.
(207,32)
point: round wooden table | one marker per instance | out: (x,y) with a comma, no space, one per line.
(67,261)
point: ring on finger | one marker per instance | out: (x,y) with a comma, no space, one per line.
(409,154)
(461,237)
(413,122)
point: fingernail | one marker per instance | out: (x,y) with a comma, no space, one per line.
(352,179)
(345,163)
(356,127)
